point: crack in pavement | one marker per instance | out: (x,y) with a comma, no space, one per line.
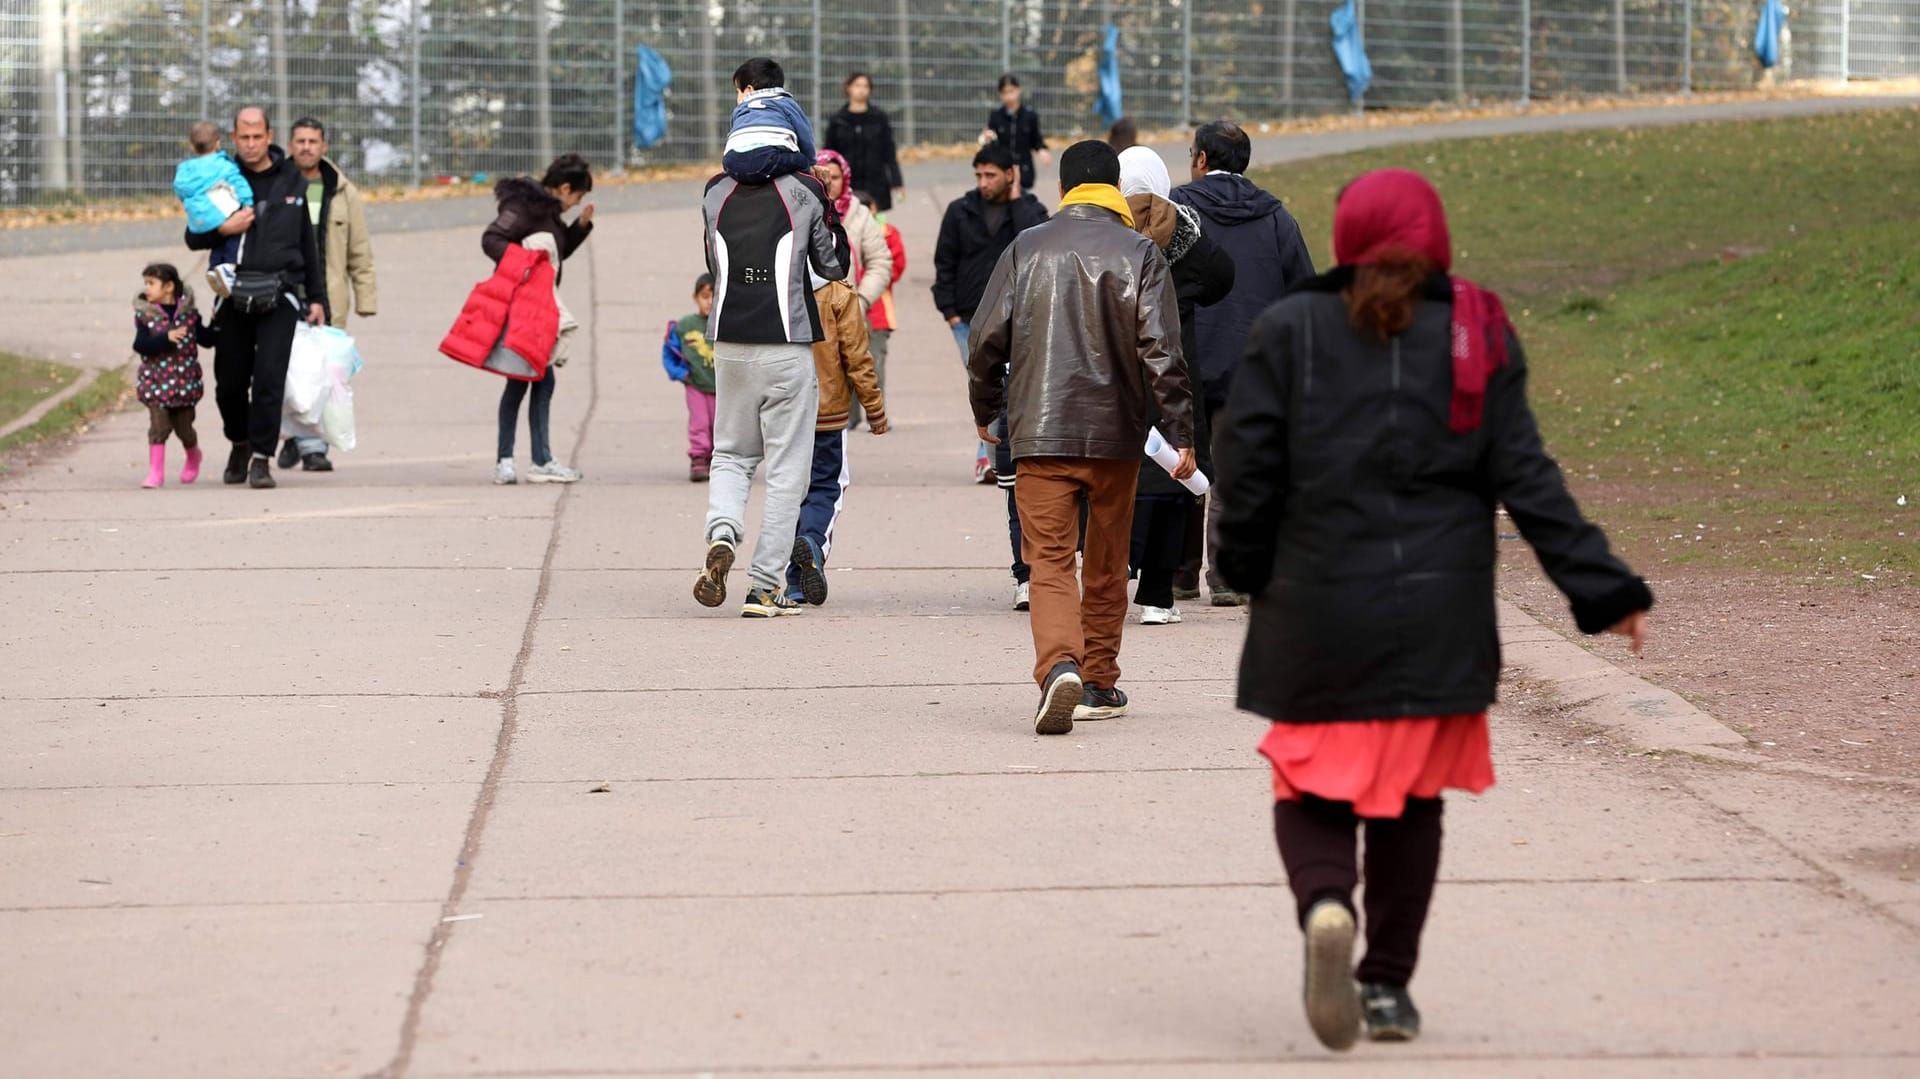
(509,719)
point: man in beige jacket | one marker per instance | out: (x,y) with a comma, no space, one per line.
(346,252)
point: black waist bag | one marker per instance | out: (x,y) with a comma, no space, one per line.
(255,293)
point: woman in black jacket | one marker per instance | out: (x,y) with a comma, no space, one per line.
(1017,127)
(863,135)
(527,207)
(1378,418)
(1202,276)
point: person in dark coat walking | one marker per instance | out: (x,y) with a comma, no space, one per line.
(1269,256)
(861,133)
(1202,275)
(1378,419)
(1017,127)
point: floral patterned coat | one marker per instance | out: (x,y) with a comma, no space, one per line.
(170,375)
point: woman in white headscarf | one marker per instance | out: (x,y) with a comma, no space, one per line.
(1202,275)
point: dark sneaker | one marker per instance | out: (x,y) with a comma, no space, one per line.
(711,589)
(315,462)
(1059,698)
(1185,594)
(259,476)
(1390,1014)
(237,459)
(699,471)
(812,569)
(768,603)
(289,454)
(1229,599)
(1332,998)
(1097,703)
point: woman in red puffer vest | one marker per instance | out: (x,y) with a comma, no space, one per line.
(527,207)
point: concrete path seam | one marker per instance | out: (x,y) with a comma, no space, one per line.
(509,723)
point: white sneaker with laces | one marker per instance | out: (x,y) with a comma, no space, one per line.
(552,472)
(503,472)
(1021,598)
(1160,616)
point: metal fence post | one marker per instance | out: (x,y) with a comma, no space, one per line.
(53,99)
(413,91)
(1620,45)
(1846,40)
(816,63)
(1186,64)
(76,78)
(277,41)
(905,46)
(619,85)
(1526,51)
(1457,45)
(206,47)
(1289,15)
(1686,47)
(542,84)
(1006,36)
(1360,31)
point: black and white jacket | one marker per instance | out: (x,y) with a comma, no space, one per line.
(762,239)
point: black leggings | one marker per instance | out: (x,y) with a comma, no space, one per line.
(1403,859)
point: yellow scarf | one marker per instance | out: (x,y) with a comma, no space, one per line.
(1105,196)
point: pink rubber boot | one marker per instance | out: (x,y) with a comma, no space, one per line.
(192,470)
(156,466)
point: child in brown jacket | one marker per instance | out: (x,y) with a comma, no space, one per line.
(844,366)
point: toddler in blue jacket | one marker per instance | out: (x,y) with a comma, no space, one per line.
(212,189)
(770,136)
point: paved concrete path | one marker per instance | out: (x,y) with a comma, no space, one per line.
(393,771)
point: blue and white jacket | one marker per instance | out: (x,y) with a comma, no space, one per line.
(769,137)
(194,182)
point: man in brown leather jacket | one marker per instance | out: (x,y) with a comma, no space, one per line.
(1078,319)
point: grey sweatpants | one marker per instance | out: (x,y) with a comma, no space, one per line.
(767,401)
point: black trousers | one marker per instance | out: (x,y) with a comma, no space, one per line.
(1159,545)
(1403,859)
(250,373)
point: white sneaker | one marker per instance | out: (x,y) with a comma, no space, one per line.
(552,472)
(1160,616)
(1021,601)
(503,473)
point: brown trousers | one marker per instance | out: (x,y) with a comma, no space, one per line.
(1080,621)
(163,421)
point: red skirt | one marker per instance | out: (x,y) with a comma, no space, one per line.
(1377,764)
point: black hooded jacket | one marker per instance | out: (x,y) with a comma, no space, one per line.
(282,240)
(1269,257)
(527,208)
(1363,526)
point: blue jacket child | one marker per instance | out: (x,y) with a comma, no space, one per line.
(207,180)
(770,135)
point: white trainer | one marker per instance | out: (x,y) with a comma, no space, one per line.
(552,472)
(1021,600)
(503,472)
(1160,616)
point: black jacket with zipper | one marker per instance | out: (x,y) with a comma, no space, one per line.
(282,240)
(526,208)
(966,252)
(1363,527)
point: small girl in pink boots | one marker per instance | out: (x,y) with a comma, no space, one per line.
(167,334)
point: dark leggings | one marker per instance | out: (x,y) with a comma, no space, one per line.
(1403,859)
(163,421)
(537,413)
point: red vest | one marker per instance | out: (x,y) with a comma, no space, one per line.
(514,308)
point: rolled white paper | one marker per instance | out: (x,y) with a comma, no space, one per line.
(1167,457)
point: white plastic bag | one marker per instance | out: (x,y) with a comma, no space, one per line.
(306,375)
(336,418)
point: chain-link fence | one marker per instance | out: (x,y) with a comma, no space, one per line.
(96,95)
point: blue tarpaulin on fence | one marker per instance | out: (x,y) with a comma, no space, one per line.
(1351,50)
(1766,36)
(1107,105)
(651,77)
